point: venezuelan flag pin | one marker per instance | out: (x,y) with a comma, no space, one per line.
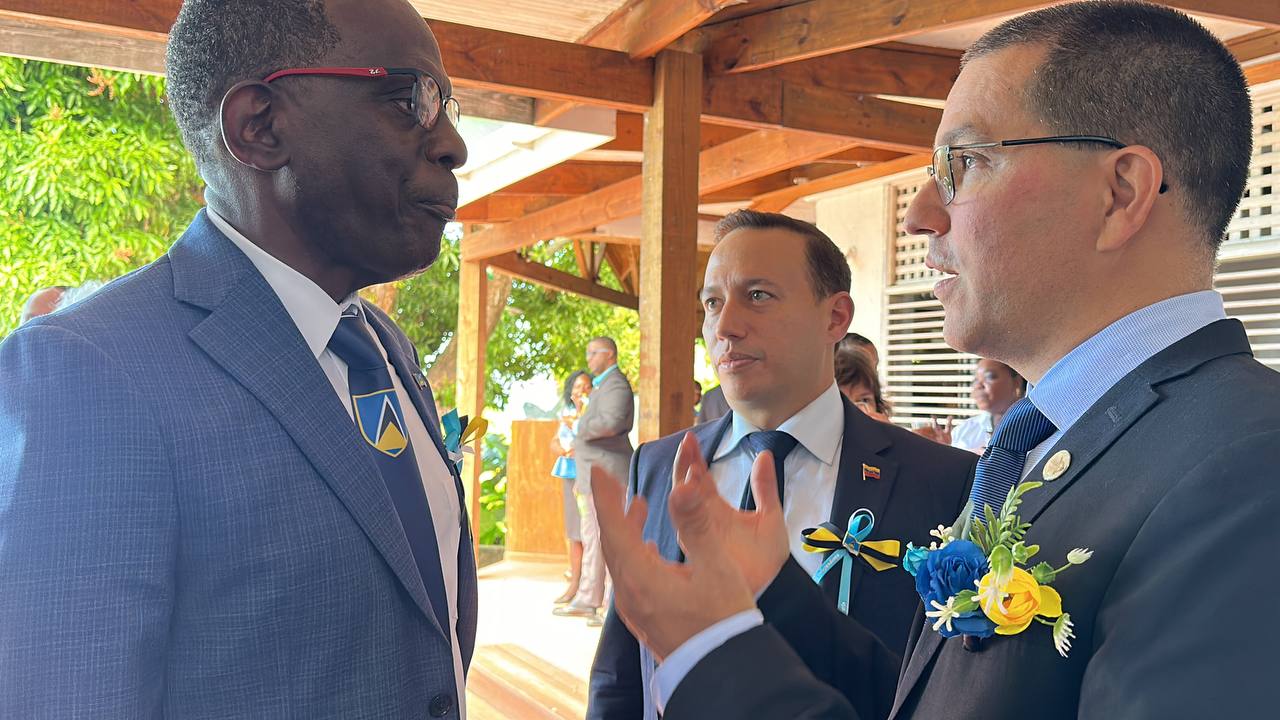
(870,472)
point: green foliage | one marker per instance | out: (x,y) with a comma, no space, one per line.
(493,490)
(94,180)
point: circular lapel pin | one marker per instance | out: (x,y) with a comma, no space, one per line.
(1057,465)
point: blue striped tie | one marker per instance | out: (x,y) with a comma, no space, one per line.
(780,444)
(380,421)
(1022,428)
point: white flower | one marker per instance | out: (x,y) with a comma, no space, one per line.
(944,614)
(1079,556)
(1062,634)
(991,598)
(943,533)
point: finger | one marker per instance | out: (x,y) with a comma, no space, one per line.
(688,455)
(764,484)
(699,514)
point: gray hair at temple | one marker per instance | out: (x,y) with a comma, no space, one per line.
(217,43)
(1144,75)
(828,270)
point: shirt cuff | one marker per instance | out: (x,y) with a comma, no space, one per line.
(679,663)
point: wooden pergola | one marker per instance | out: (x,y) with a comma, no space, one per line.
(753,103)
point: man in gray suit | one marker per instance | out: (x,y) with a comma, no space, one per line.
(1090,158)
(223,491)
(601,442)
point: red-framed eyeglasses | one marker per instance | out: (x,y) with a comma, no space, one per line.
(425,103)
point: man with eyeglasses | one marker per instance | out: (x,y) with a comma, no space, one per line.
(223,491)
(1092,155)
(601,440)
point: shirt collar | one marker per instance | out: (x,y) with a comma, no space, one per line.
(812,427)
(312,310)
(595,381)
(1085,374)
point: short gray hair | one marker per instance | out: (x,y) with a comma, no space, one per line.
(217,43)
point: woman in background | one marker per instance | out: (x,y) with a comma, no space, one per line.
(856,377)
(996,387)
(572,403)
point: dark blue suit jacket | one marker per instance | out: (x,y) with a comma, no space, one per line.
(1174,486)
(190,524)
(922,485)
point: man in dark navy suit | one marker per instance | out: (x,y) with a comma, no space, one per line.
(776,301)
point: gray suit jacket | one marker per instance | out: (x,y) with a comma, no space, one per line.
(602,431)
(190,525)
(1173,484)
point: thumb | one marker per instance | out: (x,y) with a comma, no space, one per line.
(764,484)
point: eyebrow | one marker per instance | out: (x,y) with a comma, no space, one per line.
(968,131)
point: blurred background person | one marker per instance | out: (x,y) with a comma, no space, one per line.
(854,341)
(713,406)
(995,388)
(574,400)
(42,302)
(857,379)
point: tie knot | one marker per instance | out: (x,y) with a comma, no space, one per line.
(352,342)
(779,443)
(1022,428)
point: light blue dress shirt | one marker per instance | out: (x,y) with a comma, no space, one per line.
(1064,394)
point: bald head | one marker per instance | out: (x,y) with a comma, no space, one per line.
(42,302)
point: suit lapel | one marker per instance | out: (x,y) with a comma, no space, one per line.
(863,445)
(251,336)
(664,535)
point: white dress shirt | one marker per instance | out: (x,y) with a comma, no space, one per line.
(1064,394)
(810,471)
(316,316)
(973,433)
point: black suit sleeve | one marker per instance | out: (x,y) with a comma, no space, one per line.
(756,675)
(838,650)
(616,686)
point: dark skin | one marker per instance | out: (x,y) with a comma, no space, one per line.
(334,176)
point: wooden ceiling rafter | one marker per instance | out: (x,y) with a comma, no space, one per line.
(517,266)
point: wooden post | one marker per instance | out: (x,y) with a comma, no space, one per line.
(472,291)
(669,246)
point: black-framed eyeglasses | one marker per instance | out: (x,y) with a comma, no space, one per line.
(947,179)
(426,101)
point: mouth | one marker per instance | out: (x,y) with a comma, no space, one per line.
(945,285)
(446,211)
(732,362)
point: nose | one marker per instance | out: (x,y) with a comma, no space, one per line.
(926,215)
(728,323)
(445,146)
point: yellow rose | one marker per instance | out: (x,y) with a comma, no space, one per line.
(1025,599)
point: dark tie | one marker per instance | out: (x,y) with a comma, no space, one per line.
(781,444)
(380,422)
(1022,428)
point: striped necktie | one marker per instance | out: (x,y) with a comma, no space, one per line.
(380,421)
(781,444)
(1000,468)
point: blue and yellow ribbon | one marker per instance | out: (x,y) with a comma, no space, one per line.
(459,432)
(847,544)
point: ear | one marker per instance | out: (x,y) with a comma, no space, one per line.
(248,121)
(841,316)
(1135,175)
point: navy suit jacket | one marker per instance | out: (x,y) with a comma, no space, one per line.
(1173,485)
(190,524)
(922,484)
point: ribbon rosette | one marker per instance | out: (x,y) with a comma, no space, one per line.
(458,432)
(848,544)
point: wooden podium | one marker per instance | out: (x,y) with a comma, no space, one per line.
(535,514)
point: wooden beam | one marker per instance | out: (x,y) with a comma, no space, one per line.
(822,27)
(571,178)
(472,341)
(78,43)
(1253,12)
(1255,45)
(668,245)
(641,28)
(623,262)
(1265,72)
(737,161)
(494,105)
(580,256)
(875,70)
(634,242)
(778,200)
(516,266)
(503,208)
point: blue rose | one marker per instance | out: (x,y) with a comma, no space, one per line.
(971,623)
(914,558)
(957,566)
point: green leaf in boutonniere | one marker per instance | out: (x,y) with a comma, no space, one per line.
(966,601)
(1023,552)
(1044,573)
(1001,560)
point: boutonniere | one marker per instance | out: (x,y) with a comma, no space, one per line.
(459,433)
(846,545)
(981,585)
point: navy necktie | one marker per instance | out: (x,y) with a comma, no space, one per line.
(1022,428)
(380,421)
(781,444)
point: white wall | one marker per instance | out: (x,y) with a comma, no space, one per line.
(858,220)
